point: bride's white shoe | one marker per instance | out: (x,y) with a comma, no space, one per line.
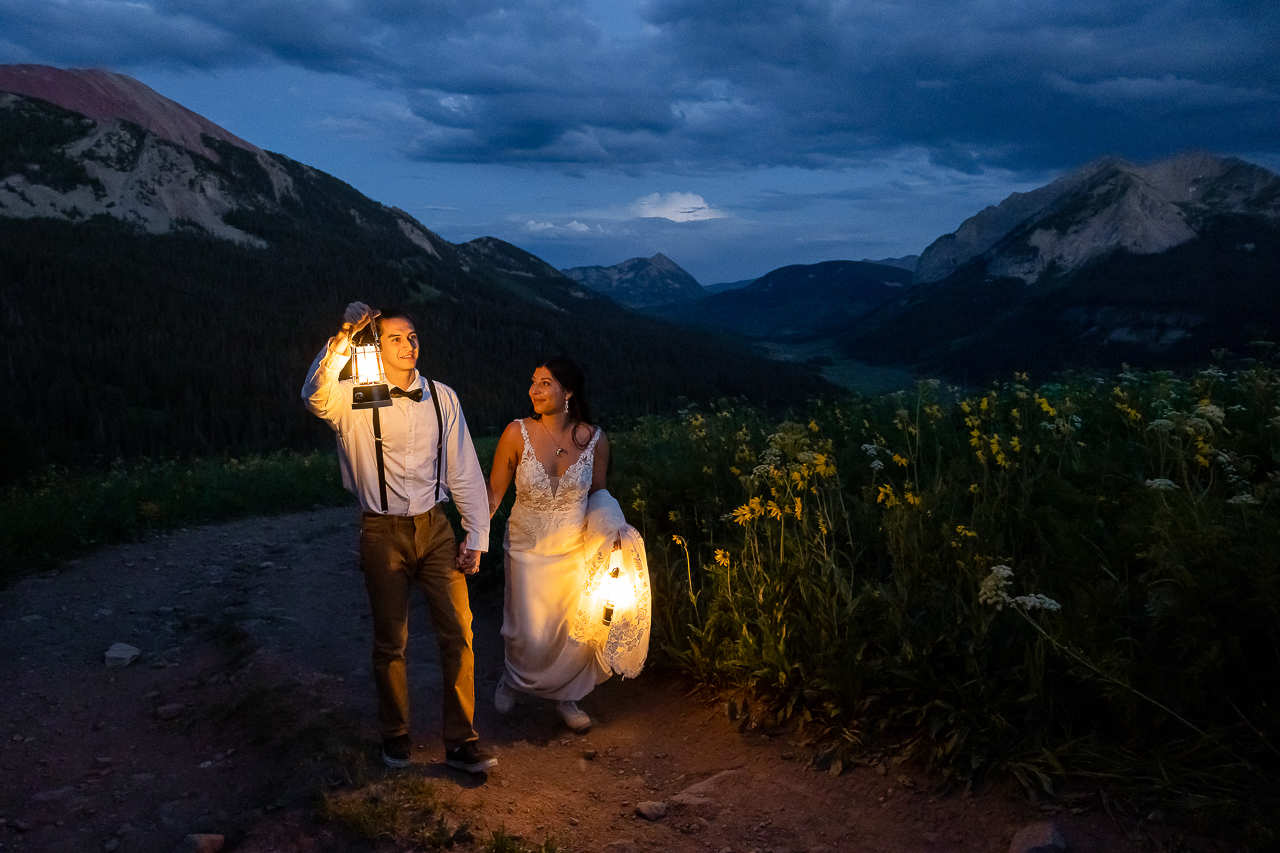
(504,698)
(573,716)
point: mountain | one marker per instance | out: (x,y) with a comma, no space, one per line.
(1152,265)
(906,262)
(640,282)
(711,289)
(802,301)
(164,285)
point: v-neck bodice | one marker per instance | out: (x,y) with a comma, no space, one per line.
(544,502)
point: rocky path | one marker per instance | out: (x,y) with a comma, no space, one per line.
(253,661)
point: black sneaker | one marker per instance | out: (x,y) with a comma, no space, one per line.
(470,757)
(395,752)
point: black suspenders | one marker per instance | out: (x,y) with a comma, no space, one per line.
(377,444)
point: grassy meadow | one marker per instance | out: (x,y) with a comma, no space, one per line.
(1075,582)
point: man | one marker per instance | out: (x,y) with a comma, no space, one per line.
(405,538)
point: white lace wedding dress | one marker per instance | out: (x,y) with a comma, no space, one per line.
(546,572)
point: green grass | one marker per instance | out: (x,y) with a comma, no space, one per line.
(62,514)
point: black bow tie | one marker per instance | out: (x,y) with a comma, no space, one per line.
(415,395)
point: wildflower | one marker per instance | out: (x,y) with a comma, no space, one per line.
(1036,601)
(1160,484)
(995,590)
(722,558)
(1210,412)
(994,586)
(678,539)
(1242,500)
(887,497)
(823,465)
(796,511)
(900,460)
(1161,425)
(774,510)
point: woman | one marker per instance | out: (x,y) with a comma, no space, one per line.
(557,458)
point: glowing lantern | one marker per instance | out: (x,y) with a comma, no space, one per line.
(618,591)
(370,391)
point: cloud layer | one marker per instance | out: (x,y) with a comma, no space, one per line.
(721,85)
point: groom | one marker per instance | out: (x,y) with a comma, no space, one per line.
(426,458)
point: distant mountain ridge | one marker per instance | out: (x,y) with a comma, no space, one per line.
(1151,265)
(801,301)
(640,282)
(1107,205)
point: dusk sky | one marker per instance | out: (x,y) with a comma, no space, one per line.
(734,137)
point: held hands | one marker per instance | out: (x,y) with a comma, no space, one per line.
(468,561)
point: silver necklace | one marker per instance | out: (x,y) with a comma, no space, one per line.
(559,449)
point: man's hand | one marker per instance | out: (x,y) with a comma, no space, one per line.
(468,561)
(357,316)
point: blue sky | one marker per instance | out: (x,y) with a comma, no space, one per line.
(734,136)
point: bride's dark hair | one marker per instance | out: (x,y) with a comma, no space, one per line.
(571,379)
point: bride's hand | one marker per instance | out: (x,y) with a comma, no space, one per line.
(468,561)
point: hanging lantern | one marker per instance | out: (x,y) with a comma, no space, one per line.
(370,391)
(618,592)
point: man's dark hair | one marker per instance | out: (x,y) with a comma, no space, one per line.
(395,312)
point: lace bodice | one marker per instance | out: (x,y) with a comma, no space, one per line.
(542,506)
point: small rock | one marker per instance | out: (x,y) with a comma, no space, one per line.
(589,754)
(170,712)
(651,810)
(200,843)
(624,845)
(122,654)
(1042,837)
(52,796)
(686,799)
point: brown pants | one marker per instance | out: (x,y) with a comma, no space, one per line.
(397,552)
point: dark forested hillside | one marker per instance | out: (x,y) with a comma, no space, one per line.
(116,343)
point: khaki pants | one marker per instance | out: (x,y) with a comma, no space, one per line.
(397,552)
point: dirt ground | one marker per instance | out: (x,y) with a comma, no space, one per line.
(255,630)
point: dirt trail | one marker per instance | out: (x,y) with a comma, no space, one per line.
(251,630)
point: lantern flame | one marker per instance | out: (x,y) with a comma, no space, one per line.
(371,391)
(618,591)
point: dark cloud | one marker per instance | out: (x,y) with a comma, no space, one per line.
(731,84)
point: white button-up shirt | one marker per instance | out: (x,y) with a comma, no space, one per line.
(409,434)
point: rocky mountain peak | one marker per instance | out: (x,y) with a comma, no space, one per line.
(1106,205)
(640,282)
(106,96)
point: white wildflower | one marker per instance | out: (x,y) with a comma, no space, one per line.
(1213,373)
(1242,500)
(1036,602)
(1160,484)
(1161,425)
(1212,413)
(877,465)
(995,590)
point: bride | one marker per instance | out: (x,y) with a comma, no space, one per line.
(557,459)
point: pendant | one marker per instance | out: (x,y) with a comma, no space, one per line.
(559,450)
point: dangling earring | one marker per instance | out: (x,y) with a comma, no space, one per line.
(566,405)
